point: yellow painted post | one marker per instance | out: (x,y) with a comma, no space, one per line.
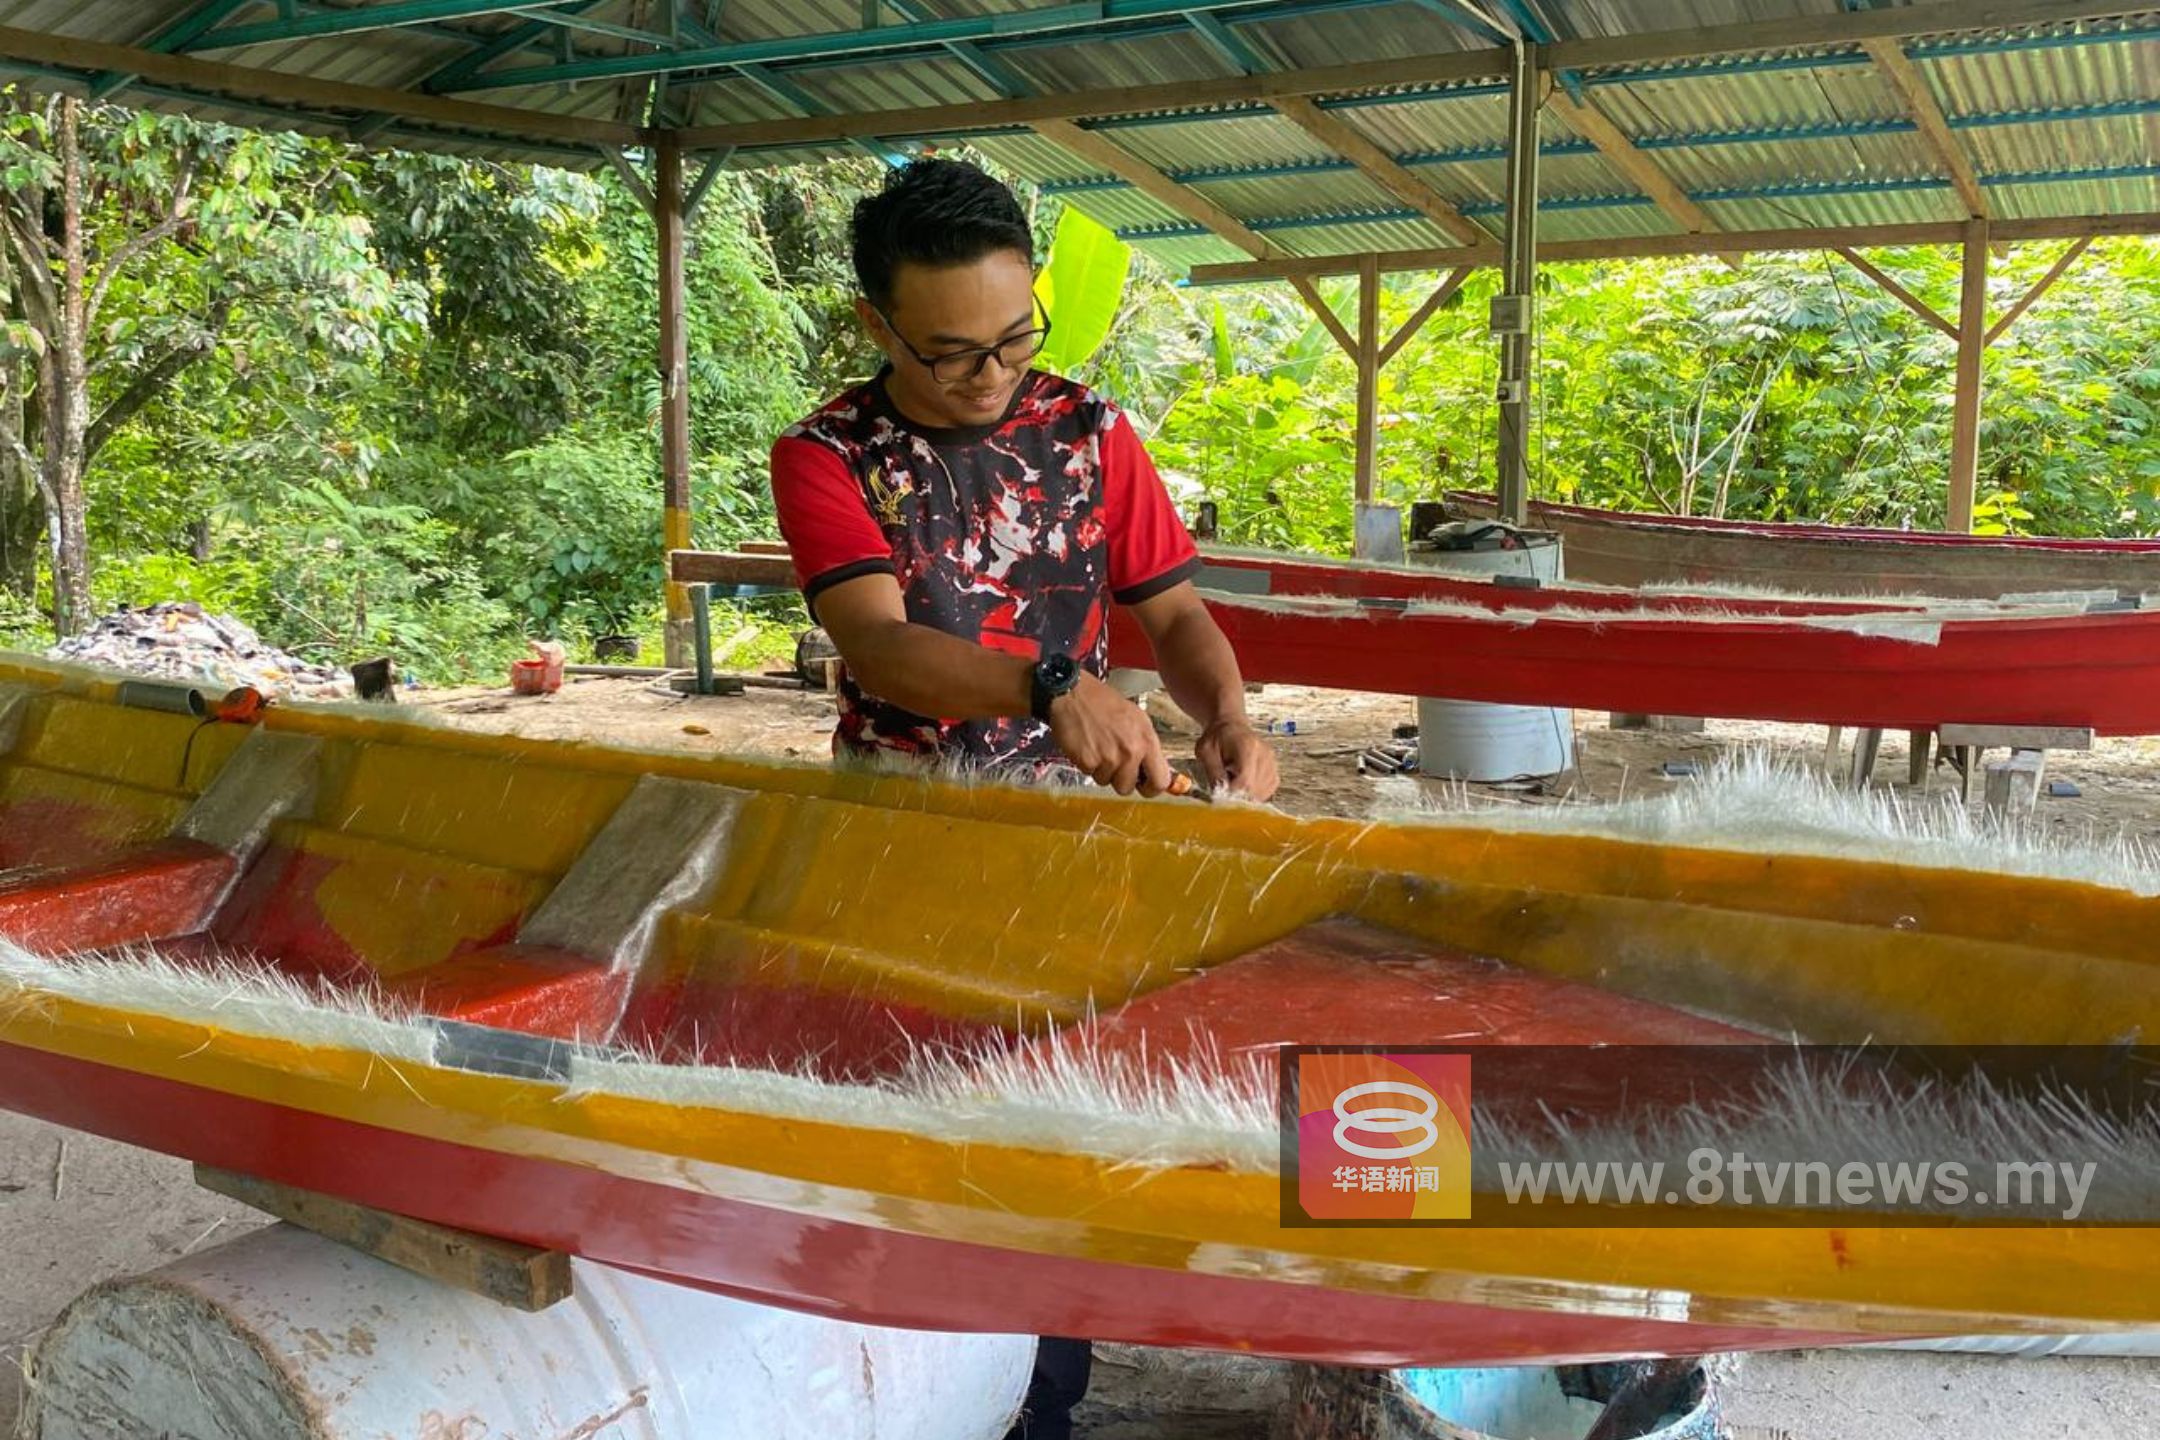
(674,385)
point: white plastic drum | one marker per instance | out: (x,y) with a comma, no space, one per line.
(1469,740)
(282,1335)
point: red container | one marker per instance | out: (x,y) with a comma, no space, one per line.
(541,675)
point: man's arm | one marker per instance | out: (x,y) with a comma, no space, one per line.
(1106,736)
(1201,673)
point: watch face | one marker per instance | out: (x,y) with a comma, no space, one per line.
(1060,670)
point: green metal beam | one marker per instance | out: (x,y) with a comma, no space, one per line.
(1094,15)
(356,20)
(171,38)
(571,21)
(532,32)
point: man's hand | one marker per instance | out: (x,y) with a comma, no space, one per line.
(1235,758)
(1109,739)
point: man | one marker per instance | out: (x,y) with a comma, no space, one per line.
(962,523)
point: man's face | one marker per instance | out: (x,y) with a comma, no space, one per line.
(936,311)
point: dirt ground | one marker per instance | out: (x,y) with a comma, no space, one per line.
(2118,780)
(75,1210)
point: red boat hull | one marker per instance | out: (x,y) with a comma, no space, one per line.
(2090,671)
(850,1272)
(1614,547)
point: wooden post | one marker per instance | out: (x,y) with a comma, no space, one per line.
(1517,338)
(1972,345)
(674,386)
(1368,376)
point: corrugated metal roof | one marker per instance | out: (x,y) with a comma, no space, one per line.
(2058,121)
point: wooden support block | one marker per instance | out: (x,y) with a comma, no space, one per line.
(1918,770)
(504,1271)
(1832,744)
(2017,737)
(2013,785)
(1867,746)
(1968,763)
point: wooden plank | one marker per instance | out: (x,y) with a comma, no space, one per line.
(1325,314)
(1965,413)
(2013,785)
(2046,283)
(1932,18)
(1440,296)
(1378,166)
(1919,100)
(94,56)
(722,567)
(763,547)
(504,1271)
(1593,125)
(1646,247)
(2015,737)
(1150,181)
(1904,296)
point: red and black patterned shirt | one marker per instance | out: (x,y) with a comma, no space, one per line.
(1016,535)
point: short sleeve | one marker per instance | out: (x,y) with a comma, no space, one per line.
(829,529)
(1150,550)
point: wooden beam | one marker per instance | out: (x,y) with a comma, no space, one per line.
(1935,17)
(1440,296)
(1912,88)
(1856,27)
(1378,166)
(504,1271)
(1649,247)
(2046,283)
(1593,125)
(1368,379)
(1152,182)
(1972,346)
(1125,100)
(94,57)
(1317,303)
(1911,301)
(732,567)
(670,219)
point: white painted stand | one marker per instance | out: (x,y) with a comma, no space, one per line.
(283,1334)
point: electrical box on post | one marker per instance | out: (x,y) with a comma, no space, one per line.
(1511,315)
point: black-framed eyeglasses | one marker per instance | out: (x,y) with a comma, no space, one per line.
(957,367)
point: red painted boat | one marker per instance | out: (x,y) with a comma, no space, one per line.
(830,1041)
(1617,547)
(1904,667)
(2074,659)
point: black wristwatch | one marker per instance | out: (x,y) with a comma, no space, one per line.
(1055,675)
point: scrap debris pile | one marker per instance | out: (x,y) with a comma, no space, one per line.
(176,640)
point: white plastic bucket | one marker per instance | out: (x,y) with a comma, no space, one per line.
(283,1334)
(1469,740)
(1529,1402)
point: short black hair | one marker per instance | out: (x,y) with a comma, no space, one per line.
(938,213)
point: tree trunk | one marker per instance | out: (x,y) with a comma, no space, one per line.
(66,397)
(22,509)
